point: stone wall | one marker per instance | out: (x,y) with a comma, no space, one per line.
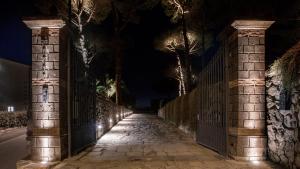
(182,112)
(283,120)
(108,114)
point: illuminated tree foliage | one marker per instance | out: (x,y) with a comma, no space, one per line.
(80,13)
(174,43)
(83,12)
(106,88)
(178,9)
(287,67)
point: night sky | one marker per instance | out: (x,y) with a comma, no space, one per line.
(15,41)
(143,65)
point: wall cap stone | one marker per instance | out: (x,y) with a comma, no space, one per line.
(251,24)
(39,23)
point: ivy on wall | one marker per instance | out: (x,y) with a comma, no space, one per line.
(287,68)
(283,109)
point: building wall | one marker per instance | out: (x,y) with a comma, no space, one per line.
(14,85)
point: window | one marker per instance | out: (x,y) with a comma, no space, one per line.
(10,109)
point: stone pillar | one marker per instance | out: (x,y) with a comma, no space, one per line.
(246,111)
(49,134)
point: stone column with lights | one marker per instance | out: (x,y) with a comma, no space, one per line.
(49,58)
(246,111)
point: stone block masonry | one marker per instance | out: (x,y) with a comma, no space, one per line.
(246,71)
(48,142)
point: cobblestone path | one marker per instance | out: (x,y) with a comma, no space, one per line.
(146,142)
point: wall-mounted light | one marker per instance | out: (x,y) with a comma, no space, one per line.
(45,93)
(110,120)
(99,126)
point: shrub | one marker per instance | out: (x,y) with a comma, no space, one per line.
(13,119)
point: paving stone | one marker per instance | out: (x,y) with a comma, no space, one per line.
(146,142)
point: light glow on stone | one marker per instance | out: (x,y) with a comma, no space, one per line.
(99,126)
(255,162)
(110,120)
(44,142)
(44,162)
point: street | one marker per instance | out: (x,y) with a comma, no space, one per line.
(12,147)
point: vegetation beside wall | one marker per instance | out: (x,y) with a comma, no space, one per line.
(108,114)
(283,109)
(13,119)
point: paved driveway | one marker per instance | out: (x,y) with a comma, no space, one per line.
(146,142)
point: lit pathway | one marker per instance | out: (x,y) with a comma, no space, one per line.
(146,142)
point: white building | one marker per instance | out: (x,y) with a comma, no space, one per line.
(14,86)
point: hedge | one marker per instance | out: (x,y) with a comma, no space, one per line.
(13,119)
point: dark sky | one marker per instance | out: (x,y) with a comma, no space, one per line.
(15,41)
(143,65)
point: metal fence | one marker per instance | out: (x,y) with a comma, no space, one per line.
(211,117)
(83,107)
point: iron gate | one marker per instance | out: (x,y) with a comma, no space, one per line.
(211,118)
(82,105)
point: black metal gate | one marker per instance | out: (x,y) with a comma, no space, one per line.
(211,118)
(82,104)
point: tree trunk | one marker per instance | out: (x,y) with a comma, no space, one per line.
(118,53)
(181,87)
(82,44)
(181,76)
(203,34)
(118,73)
(186,56)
